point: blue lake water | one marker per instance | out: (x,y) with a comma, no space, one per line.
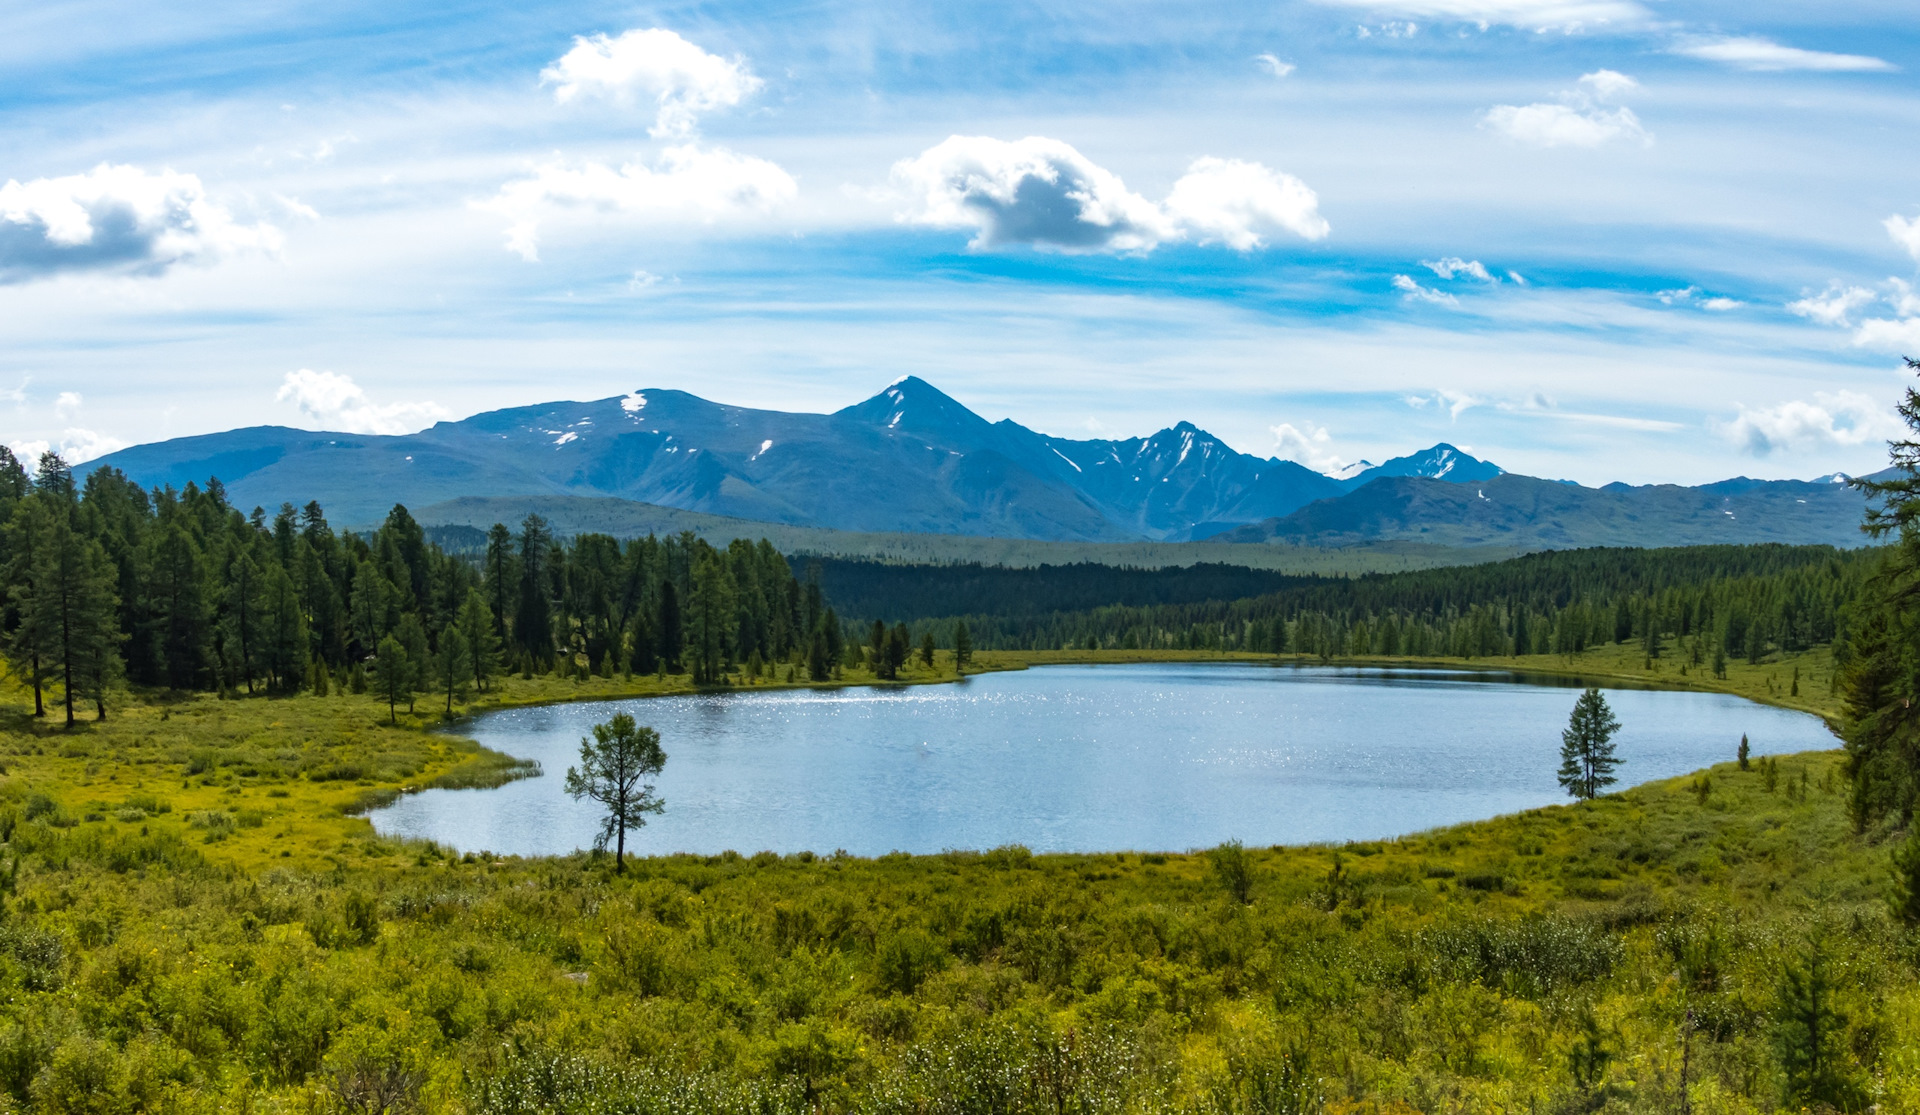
(1087,758)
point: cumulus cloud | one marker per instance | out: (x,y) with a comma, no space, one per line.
(1453,266)
(1042,193)
(1417,293)
(334,402)
(1312,447)
(1530,15)
(709,183)
(1843,418)
(117,219)
(1906,233)
(1227,201)
(1901,335)
(1835,306)
(1580,118)
(681,80)
(1750,52)
(1272,65)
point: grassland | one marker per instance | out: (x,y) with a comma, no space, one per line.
(195,921)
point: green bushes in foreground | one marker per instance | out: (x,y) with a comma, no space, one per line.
(1597,957)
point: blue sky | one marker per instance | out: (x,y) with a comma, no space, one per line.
(1593,239)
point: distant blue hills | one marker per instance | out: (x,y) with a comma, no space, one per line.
(911,459)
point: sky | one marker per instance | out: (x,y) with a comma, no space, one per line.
(1639,240)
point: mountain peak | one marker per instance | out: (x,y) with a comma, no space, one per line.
(911,404)
(1441,461)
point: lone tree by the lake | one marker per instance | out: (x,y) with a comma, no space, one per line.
(1586,747)
(614,763)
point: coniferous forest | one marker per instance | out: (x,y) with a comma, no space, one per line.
(180,590)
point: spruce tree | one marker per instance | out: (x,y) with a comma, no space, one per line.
(533,616)
(962,646)
(1587,757)
(1745,751)
(926,650)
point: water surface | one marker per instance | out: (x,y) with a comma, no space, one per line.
(1086,758)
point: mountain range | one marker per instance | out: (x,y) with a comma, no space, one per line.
(913,460)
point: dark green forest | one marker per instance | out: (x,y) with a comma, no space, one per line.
(181,590)
(1736,601)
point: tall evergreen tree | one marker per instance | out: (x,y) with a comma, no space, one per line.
(393,674)
(477,631)
(177,599)
(243,626)
(533,615)
(1587,757)
(669,631)
(73,612)
(452,665)
(27,537)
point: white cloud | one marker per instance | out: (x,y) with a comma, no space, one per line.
(680,78)
(1579,119)
(1453,265)
(1042,193)
(67,403)
(118,219)
(1690,295)
(336,403)
(1750,52)
(1902,298)
(1607,85)
(1906,233)
(1415,292)
(1531,15)
(1843,418)
(1235,203)
(1557,125)
(1272,65)
(1901,335)
(1834,307)
(1035,191)
(1311,447)
(689,180)
(76,446)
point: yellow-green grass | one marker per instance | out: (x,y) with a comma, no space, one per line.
(226,934)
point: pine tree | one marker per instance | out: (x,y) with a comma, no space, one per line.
(1587,757)
(669,635)
(1745,751)
(962,646)
(615,763)
(710,616)
(926,650)
(1905,895)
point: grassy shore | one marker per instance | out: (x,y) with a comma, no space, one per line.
(196,921)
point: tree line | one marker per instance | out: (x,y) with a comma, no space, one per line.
(179,589)
(1722,601)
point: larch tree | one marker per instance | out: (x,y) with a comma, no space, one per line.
(393,675)
(1587,757)
(73,612)
(477,628)
(451,664)
(616,762)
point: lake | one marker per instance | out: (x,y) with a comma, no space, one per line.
(1087,758)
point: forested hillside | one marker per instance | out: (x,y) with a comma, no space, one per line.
(1740,601)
